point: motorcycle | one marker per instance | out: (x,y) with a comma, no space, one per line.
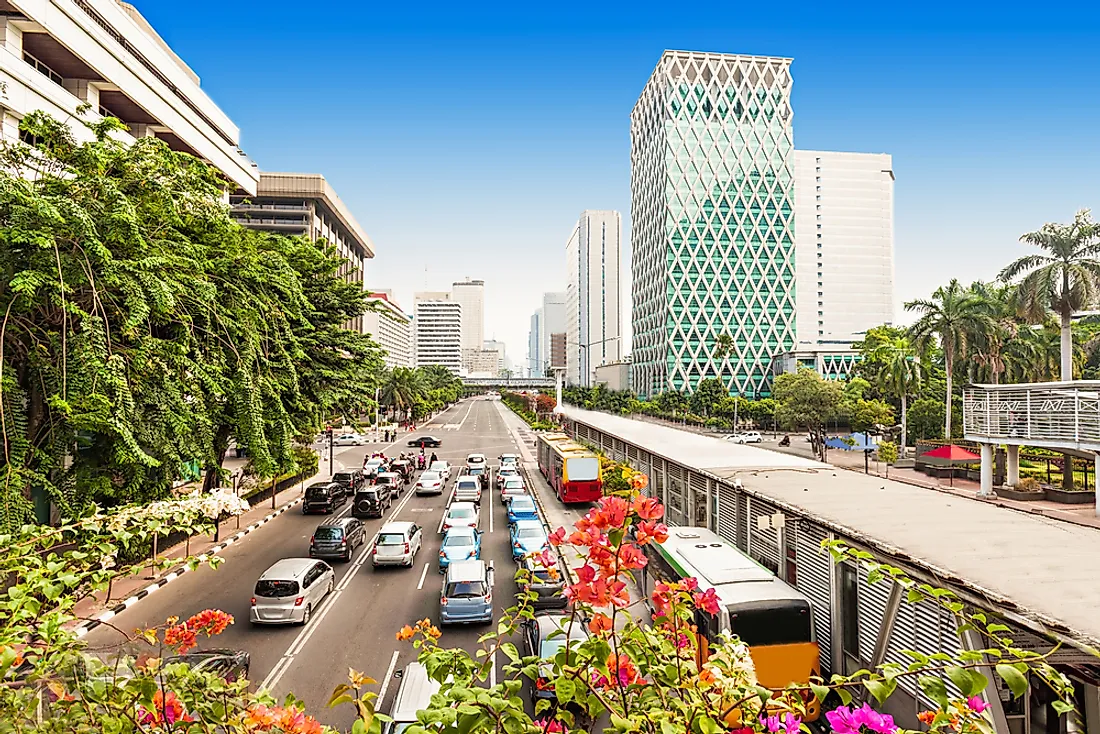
(785,441)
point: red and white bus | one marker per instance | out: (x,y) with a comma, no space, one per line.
(572,470)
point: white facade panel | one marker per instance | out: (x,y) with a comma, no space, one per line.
(437,326)
(593,308)
(392,329)
(844,235)
(553,322)
(471,294)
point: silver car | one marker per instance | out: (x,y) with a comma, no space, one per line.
(461,515)
(289,591)
(468,489)
(397,544)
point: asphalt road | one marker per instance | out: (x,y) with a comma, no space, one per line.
(355,626)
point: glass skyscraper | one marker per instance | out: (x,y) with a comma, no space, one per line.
(712,207)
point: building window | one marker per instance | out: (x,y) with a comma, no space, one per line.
(849,610)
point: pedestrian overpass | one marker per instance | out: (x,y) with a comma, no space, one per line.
(507,383)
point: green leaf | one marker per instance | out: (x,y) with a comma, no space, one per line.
(874,576)
(510,650)
(820,692)
(845,696)
(1062,707)
(881,690)
(934,688)
(565,688)
(1014,679)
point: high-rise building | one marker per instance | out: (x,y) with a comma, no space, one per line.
(844,225)
(501,352)
(534,345)
(557,351)
(305,204)
(471,294)
(553,322)
(391,328)
(592,302)
(437,330)
(58,55)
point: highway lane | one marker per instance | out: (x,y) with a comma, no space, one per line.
(356,626)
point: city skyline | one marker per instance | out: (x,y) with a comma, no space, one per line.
(505,173)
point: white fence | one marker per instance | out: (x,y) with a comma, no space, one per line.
(1054,414)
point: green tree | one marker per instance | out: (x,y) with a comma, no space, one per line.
(952,316)
(806,401)
(708,394)
(866,415)
(401,388)
(900,374)
(925,420)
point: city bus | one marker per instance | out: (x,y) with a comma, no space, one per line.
(771,617)
(571,470)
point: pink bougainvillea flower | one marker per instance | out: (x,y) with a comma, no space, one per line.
(771,723)
(976,704)
(586,574)
(791,723)
(648,508)
(841,721)
(648,532)
(707,601)
(631,558)
(612,513)
(557,537)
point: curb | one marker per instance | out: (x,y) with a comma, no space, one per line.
(85,627)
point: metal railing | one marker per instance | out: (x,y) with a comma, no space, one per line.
(42,68)
(1065,414)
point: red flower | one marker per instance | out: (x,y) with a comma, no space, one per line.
(612,512)
(621,667)
(648,508)
(586,574)
(557,537)
(662,599)
(166,710)
(600,623)
(707,601)
(630,558)
(689,584)
(184,636)
(620,597)
(647,532)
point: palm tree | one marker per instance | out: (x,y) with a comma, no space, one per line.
(400,389)
(953,316)
(901,374)
(999,303)
(1063,281)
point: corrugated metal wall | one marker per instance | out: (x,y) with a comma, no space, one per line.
(813,581)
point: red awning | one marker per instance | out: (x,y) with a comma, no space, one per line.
(951,452)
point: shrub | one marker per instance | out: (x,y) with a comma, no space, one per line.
(1028,484)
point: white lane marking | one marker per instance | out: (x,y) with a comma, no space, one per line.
(423,575)
(387,679)
(493,671)
(491,513)
(302,638)
(468,410)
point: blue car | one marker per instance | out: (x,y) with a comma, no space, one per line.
(527,536)
(522,508)
(459,544)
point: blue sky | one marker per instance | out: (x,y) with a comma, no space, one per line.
(467,138)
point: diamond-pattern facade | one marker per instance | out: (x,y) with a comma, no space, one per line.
(712,206)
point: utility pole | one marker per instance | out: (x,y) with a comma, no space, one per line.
(330,470)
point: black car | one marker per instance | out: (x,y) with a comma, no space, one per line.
(544,636)
(548,584)
(323,497)
(482,474)
(337,539)
(350,480)
(426,442)
(372,501)
(231,665)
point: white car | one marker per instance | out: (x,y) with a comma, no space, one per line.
(443,468)
(468,489)
(509,459)
(513,487)
(289,591)
(746,437)
(475,461)
(397,544)
(461,515)
(430,482)
(350,439)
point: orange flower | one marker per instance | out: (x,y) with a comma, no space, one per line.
(706,677)
(648,508)
(184,636)
(639,481)
(405,633)
(927,717)
(600,623)
(647,532)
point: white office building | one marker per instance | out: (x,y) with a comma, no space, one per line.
(553,322)
(534,345)
(56,55)
(593,308)
(844,245)
(471,294)
(437,329)
(391,328)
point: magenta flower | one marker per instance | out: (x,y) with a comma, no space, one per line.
(873,720)
(976,704)
(791,723)
(771,723)
(841,721)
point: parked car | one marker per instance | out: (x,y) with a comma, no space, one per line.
(547,583)
(513,487)
(467,489)
(337,539)
(392,481)
(467,594)
(475,461)
(527,536)
(429,483)
(323,497)
(288,592)
(350,480)
(444,469)
(545,636)
(506,472)
(746,437)
(522,508)
(414,694)
(349,439)
(459,544)
(426,442)
(481,473)
(372,501)
(230,665)
(461,514)
(397,544)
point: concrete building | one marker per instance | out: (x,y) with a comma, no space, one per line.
(718,194)
(557,351)
(305,204)
(614,376)
(498,348)
(482,363)
(833,362)
(844,246)
(553,322)
(56,55)
(534,345)
(437,331)
(391,327)
(593,308)
(471,294)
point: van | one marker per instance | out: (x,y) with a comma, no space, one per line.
(467,594)
(289,591)
(414,694)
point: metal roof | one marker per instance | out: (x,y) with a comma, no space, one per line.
(1041,570)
